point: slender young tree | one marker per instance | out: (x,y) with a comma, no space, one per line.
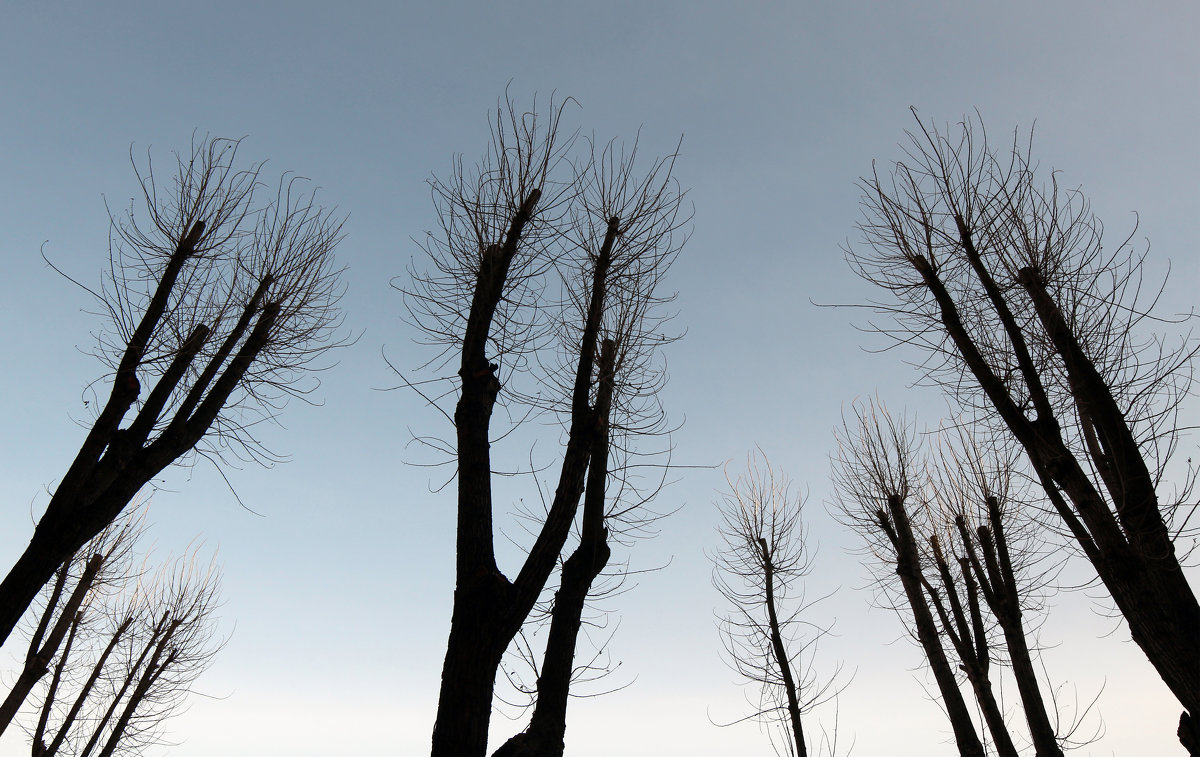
(763,559)
(217,303)
(1032,324)
(525,214)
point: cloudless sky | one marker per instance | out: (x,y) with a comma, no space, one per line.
(338,585)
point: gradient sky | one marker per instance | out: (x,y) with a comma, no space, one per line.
(337,592)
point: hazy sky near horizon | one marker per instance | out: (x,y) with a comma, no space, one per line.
(338,586)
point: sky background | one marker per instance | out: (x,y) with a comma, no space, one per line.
(337,588)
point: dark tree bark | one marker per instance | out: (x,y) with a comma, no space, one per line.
(532,211)
(896,525)
(545,735)
(998,583)
(488,608)
(967,635)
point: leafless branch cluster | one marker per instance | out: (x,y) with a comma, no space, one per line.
(475,206)
(974,218)
(540,321)
(208,262)
(955,552)
(116,648)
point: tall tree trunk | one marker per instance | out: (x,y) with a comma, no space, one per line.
(781,656)
(473,655)
(33,569)
(1000,590)
(489,609)
(970,643)
(899,531)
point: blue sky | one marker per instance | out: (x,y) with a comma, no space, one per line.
(337,593)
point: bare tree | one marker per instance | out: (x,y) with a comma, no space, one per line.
(1027,320)
(548,724)
(876,473)
(975,534)
(626,408)
(122,646)
(976,490)
(128,668)
(105,561)
(221,304)
(757,571)
(523,214)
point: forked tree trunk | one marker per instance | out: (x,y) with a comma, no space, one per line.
(113,464)
(545,736)
(489,609)
(969,639)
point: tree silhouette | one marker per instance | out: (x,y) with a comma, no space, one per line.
(979,506)
(1035,328)
(218,302)
(757,570)
(527,213)
(122,645)
(961,521)
(878,490)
